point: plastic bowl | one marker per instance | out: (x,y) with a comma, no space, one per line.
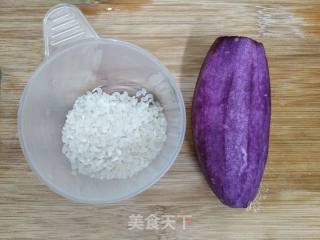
(77,63)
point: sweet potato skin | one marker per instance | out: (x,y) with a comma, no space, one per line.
(231,112)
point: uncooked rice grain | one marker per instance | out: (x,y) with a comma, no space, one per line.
(113,136)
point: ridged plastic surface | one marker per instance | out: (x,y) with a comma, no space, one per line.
(65,24)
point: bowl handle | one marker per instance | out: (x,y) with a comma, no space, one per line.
(64,25)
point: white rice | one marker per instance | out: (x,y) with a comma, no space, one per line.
(113,136)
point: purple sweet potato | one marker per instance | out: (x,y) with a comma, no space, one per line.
(231,111)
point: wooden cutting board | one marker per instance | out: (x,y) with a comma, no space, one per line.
(179,33)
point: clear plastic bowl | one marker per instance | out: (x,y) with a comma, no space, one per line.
(78,63)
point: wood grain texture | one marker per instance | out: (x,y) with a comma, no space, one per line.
(179,33)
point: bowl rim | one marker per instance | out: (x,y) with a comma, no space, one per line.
(49,183)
